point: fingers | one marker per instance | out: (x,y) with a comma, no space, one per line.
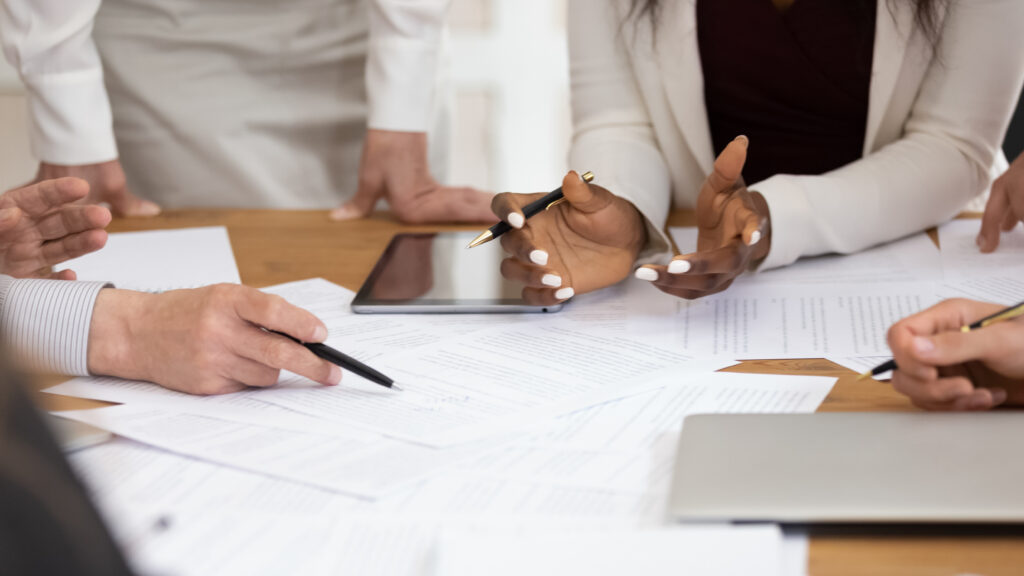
(1009,221)
(275,313)
(69,275)
(932,393)
(547,296)
(948,348)
(72,220)
(529,275)
(584,197)
(10,218)
(252,373)
(449,204)
(279,353)
(509,207)
(72,246)
(362,204)
(40,198)
(124,203)
(750,223)
(728,166)
(996,209)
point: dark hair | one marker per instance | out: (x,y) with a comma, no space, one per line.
(926,14)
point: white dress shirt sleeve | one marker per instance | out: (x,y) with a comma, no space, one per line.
(949,145)
(45,323)
(49,43)
(402,65)
(612,130)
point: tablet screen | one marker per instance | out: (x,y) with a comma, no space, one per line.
(437,273)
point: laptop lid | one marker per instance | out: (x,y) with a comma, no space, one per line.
(851,468)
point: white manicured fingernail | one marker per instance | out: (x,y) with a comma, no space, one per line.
(539,257)
(565,293)
(552,280)
(678,267)
(755,238)
(646,274)
(515,220)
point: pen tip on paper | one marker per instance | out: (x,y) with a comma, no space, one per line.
(864,376)
(396,387)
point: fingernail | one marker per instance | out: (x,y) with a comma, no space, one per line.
(515,220)
(646,274)
(923,345)
(334,377)
(678,267)
(148,208)
(755,238)
(998,395)
(552,280)
(978,403)
(565,293)
(539,257)
(742,140)
(320,334)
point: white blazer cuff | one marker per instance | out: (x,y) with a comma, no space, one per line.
(401,81)
(790,215)
(70,119)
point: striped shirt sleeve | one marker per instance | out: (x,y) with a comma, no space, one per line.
(45,323)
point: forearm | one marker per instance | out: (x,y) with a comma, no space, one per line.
(117,326)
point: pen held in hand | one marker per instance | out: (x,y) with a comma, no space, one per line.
(343,360)
(549,200)
(1005,314)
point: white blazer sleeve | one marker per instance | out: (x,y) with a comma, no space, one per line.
(50,44)
(45,323)
(612,131)
(950,142)
(402,65)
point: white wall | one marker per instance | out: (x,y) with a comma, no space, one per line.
(508,66)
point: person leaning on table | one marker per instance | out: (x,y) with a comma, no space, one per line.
(203,341)
(942,368)
(240,103)
(867,121)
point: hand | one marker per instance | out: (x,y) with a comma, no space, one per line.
(1005,206)
(106,184)
(394,166)
(40,226)
(204,341)
(942,368)
(733,231)
(581,245)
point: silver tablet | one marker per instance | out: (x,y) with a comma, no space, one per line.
(436,273)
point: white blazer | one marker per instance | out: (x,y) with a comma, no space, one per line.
(934,130)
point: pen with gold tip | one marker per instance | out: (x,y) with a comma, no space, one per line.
(549,200)
(1010,313)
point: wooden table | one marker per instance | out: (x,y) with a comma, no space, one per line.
(272,247)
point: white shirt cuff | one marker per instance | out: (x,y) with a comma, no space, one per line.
(71,122)
(46,323)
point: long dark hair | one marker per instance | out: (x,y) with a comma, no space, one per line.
(926,14)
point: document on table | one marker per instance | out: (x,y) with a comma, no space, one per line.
(776,321)
(160,260)
(996,277)
(707,550)
(911,259)
(359,463)
(859,364)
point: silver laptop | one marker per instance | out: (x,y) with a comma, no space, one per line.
(851,468)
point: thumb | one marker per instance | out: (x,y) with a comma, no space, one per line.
(583,196)
(995,210)
(360,205)
(728,166)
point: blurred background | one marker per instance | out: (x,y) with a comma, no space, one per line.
(510,98)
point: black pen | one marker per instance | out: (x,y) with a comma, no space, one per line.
(1004,314)
(343,360)
(549,200)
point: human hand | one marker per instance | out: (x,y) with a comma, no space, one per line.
(942,368)
(584,244)
(733,231)
(41,226)
(106,185)
(394,166)
(204,341)
(1005,207)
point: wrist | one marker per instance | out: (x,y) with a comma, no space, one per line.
(114,334)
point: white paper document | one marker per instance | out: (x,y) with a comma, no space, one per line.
(995,277)
(755,322)
(160,260)
(711,550)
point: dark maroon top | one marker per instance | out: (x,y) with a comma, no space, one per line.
(796,82)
